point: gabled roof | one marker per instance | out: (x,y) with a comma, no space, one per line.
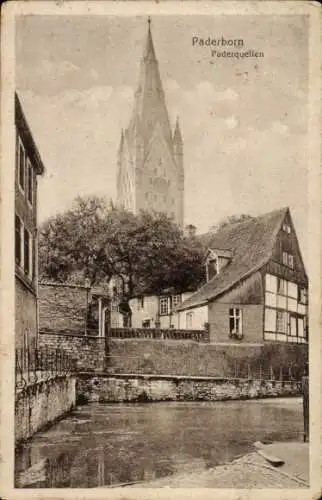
(251,243)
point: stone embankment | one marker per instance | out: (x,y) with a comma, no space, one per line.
(144,388)
(42,402)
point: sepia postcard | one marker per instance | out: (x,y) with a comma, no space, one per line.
(160,250)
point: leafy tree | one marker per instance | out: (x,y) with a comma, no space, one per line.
(71,246)
(95,240)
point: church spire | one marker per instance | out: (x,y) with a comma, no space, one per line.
(149,52)
(150,157)
(150,107)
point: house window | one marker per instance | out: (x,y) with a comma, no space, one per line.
(21,175)
(302,296)
(292,290)
(26,243)
(164,306)
(29,181)
(18,239)
(300,327)
(281,321)
(176,299)
(235,321)
(288,259)
(189,319)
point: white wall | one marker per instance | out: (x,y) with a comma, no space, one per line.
(193,319)
(148,311)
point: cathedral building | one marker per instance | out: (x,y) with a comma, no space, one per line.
(150,158)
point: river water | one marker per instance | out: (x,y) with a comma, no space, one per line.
(101,445)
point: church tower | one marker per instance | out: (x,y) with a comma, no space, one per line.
(150,157)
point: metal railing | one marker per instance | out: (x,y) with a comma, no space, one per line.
(156,333)
(34,364)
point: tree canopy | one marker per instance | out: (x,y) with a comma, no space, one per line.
(96,240)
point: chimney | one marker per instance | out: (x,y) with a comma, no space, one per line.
(190,231)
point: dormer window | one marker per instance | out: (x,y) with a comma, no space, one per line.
(212,268)
(216,261)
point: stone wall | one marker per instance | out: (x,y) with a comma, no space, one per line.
(42,403)
(62,308)
(26,314)
(89,353)
(179,357)
(143,388)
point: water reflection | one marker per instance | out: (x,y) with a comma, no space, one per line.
(101,445)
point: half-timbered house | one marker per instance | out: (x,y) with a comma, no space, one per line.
(257,286)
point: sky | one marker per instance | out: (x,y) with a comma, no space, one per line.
(244,121)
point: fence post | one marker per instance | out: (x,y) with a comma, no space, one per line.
(305,391)
(281,373)
(260,372)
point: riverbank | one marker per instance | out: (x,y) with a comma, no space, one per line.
(249,471)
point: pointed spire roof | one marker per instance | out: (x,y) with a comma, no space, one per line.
(149,52)
(150,107)
(177,137)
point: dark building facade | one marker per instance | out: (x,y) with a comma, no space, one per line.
(28,166)
(150,157)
